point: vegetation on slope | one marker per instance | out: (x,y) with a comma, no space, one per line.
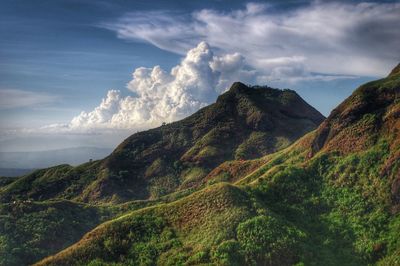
(30,231)
(219,225)
(295,215)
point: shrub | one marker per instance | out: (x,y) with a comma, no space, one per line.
(228,253)
(198,258)
(265,239)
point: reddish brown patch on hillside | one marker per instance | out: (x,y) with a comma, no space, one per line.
(207,205)
(234,170)
(395,192)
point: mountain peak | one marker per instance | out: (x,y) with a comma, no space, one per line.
(245,99)
(239,87)
(257,93)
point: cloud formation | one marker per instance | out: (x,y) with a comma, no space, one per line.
(321,41)
(330,38)
(161,96)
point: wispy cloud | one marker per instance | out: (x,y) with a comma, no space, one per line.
(335,38)
(12,98)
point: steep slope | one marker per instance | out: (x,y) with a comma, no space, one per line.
(243,123)
(332,198)
(372,111)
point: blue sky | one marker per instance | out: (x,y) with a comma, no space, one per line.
(56,48)
(59,58)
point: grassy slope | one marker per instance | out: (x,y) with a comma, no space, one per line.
(30,231)
(332,198)
(201,228)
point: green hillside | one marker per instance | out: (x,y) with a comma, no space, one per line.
(31,230)
(331,198)
(245,122)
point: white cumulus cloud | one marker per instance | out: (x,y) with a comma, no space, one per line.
(164,96)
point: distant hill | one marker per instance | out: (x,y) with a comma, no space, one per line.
(244,123)
(42,159)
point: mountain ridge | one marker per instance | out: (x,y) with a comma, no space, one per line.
(245,122)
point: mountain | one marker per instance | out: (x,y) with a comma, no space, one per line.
(331,198)
(42,159)
(244,123)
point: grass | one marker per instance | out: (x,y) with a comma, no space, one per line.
(191,227)
(305,214)
(30,231)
